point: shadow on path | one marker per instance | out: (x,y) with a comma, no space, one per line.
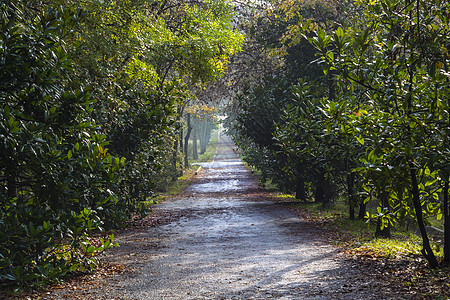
(229,242)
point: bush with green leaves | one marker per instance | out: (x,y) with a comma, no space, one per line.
(384,115)
(389,103)
(57,181)
(89,99)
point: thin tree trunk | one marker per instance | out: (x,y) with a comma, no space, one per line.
(446,225)
(186,140)
(362,209)
(319,193)
(181,150)
(324,190)
(204,137)
(174,159)
(426,250)
(178,142)
(182,140)
(194,143)
(208,132)
(201,136)
(351,194)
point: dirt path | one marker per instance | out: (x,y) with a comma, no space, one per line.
(226,241)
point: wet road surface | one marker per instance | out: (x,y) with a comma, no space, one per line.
(228,242)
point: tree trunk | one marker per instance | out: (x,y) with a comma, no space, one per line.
(174,159)
(208,133)
(319,194)
(324,190)
(386,231)
(204,137)
(351,194)
(300,192)
(194,143)
(201,136)
(178,142)
(446,225)
(181,150)
(426,250)
(181,140)
(362,209)
(186,140)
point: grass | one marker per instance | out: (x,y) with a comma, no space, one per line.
(267,184)
(395,248)
(175,187)
(437,223)
(358,236)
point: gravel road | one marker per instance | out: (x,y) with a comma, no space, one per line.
(226,241)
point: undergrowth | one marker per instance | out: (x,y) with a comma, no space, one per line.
(358,236)
(175,187)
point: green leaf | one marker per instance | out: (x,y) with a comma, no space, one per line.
(339,32)
(372,157)
(431,182)
(360,139)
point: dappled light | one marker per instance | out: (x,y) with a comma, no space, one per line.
(229,241)
(224,149)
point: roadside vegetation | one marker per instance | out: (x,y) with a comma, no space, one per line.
(98,102)
(182,182)
(355,111)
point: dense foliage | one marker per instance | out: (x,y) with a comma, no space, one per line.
(90,103)
(374,126)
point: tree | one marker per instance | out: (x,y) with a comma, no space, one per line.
(57,181)
(259,108)
(91,100)
(384,56)
(382,114)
